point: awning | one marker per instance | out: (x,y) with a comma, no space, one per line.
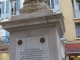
(72,49)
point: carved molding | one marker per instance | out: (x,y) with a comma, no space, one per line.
(31,21)
(28,21)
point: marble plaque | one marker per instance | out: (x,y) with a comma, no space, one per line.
(32,48)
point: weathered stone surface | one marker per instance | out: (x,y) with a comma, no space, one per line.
(44,18)
(31,6)
(32,49)
(33,1)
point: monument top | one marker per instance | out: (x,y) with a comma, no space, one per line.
(31,6)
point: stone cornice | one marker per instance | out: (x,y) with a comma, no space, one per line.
(33,20)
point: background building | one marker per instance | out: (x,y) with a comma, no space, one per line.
(71,13)
(7,9)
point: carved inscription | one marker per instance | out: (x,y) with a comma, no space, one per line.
(32,54)
(32,49)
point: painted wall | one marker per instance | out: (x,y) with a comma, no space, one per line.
(67,10)
(4,56)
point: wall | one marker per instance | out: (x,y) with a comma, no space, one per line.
(4,56)
(62,49)
(50,32)
(67,10)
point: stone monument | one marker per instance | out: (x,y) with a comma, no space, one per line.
(35,33)
(31,6)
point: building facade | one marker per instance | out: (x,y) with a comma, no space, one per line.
(7,9)
(71,13)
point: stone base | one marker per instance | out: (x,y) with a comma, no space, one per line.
(35,7)
(37,32)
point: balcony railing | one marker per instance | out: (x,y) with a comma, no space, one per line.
(4,39)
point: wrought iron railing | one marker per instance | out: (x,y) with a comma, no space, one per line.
(4,39)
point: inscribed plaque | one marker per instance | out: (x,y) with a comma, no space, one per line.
(32,49)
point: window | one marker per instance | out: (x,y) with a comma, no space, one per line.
(4,6)
(79,5)
(76,8)
(7,8)
(0,12)
(15,6)
(54,4)
(77,30)
(0,9)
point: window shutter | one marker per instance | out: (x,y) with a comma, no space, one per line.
(56,5)
(17,7)
(7,8)
(2,10)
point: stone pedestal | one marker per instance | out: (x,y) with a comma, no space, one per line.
(35,36)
